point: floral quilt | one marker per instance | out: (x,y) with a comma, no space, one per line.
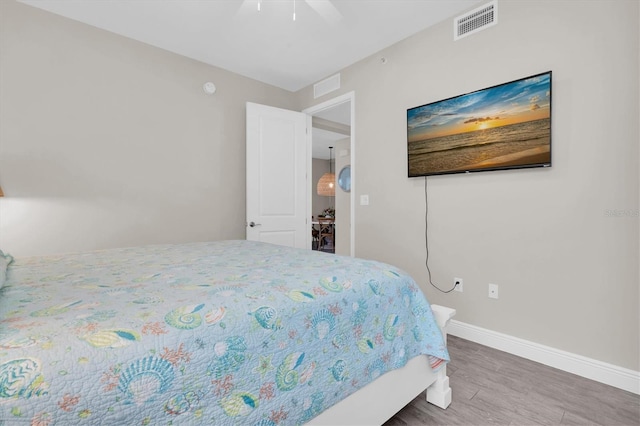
(224,333)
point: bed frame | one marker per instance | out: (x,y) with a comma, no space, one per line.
(378,401)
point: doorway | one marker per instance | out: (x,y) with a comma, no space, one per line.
(333,125)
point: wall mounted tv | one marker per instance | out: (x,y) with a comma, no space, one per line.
(507,126)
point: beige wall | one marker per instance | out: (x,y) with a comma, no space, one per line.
(105,141)
(343,200)
(567,271)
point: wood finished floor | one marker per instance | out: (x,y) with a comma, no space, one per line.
(491,387)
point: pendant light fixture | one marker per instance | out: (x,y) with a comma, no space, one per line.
(327,183)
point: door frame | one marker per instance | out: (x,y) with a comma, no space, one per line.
(311,111)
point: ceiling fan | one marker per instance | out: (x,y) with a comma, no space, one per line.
(324,8)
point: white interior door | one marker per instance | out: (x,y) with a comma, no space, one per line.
(277,141)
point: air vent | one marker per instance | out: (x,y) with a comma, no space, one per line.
(327,85)
(476,20)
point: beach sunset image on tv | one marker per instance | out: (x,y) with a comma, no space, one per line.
(501,127)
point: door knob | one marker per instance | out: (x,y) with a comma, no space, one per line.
(252,224)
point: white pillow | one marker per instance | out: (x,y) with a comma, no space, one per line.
(5,260)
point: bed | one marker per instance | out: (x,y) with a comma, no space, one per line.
(227,332)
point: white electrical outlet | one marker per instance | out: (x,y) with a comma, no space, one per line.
(457,282)
(493,291)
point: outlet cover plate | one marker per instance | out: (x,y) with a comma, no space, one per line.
(458,283)
(493,291)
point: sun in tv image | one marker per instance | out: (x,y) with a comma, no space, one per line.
(501,127)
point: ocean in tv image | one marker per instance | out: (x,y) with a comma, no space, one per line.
(503,126)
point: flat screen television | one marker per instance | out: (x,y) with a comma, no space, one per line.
(507,126)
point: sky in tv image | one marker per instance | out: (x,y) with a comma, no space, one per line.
(522,100)
(503,126)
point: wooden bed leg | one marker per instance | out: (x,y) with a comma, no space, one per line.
(439,393)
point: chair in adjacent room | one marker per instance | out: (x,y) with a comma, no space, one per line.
(315,238)
(327,234)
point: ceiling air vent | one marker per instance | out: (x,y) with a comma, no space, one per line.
(327,85)
(476,20)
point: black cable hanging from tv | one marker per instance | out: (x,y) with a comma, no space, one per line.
(426,238)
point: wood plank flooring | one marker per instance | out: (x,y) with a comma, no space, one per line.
(491,387)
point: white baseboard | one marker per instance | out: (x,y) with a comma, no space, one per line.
(619,377)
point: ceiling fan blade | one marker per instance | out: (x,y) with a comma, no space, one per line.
(326,9)
(247,6)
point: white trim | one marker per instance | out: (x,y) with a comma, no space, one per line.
(347,97)
(619,377)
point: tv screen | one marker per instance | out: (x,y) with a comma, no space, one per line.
(506,126)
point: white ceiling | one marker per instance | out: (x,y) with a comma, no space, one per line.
(322,138)
(266,45)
